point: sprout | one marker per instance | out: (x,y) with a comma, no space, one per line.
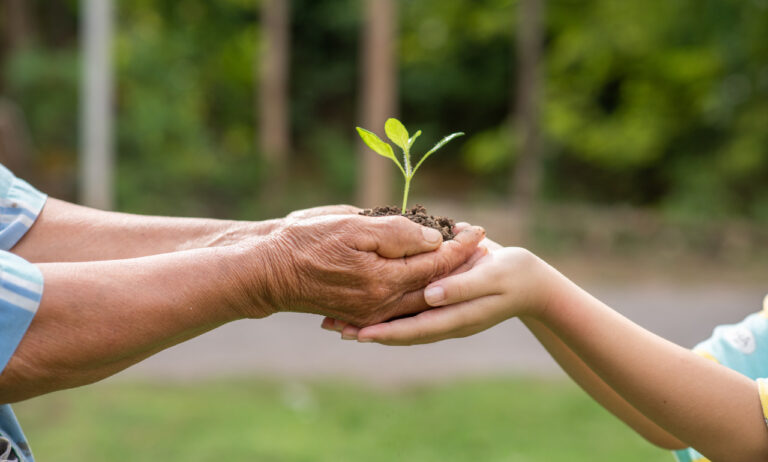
(399,135)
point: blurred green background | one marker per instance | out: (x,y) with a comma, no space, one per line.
(653,104)
(653,134)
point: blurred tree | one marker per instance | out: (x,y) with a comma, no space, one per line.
(648,103)
(14,143)
(274,82)
(14,140)
(527,171)
(17,23)
(379,97)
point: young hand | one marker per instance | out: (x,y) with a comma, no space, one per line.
(504,283)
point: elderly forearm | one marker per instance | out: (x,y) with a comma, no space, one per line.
(712,408)
(98,318)
(67,232)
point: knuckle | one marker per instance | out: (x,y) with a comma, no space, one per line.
(441,266)
(460,291)
(518,256)
(347,223)
(380,293)
(398,224)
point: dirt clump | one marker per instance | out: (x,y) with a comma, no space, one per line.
(417,214)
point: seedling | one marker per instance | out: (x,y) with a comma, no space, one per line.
(399,135)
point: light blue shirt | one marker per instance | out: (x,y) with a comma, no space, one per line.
(742,347)
(21,288)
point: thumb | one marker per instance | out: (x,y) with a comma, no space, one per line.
(396,237)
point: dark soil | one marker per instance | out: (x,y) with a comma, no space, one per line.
(417,214)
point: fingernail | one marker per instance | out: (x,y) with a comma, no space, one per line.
(348,337)
(434,295)
(365,340)
(431,235)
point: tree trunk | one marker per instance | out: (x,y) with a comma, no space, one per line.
(16,27)
(16,23)
(274,75)
(379,98)
(14,142)
(527,171)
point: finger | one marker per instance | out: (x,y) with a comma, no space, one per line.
(469,285)
(349,332)
(417,271)
(459,320)
(466,266)
(343,209)
(395,237)
(408,305)
(339,325)
(490,244)
(328,323)
(461,226)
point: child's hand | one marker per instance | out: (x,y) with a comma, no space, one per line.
(504,283)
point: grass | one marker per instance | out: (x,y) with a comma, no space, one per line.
(491,420)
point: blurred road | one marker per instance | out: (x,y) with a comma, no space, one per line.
(293,346)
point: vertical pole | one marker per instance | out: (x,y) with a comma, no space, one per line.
(378,102)
(273,83)
(16,24)
(96,159)
(527,171)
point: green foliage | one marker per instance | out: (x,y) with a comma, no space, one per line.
(651,103)
(661,101)
(45,83)
(185,131)
(398,134)
(491,150)
(489,420)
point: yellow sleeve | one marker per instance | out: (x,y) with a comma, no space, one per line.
(762,385)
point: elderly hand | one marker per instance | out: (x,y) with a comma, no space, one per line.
(362,270)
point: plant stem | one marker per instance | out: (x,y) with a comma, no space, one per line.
(405,194)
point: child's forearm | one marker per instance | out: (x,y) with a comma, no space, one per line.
(712,408)
(599,390)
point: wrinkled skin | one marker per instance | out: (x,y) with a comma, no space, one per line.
(358,269)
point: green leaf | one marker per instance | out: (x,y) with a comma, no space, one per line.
(413,138)
(380,147)
(439,145)
(397,133)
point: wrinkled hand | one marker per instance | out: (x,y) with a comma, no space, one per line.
(358,269)
(490,288)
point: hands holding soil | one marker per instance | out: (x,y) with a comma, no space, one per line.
(362,270)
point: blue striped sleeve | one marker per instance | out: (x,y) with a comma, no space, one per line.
(21,288)
(20,204)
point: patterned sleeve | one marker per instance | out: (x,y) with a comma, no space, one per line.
(742,347)
(20,204)
(21,283)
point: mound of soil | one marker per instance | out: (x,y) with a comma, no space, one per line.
(417,214)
